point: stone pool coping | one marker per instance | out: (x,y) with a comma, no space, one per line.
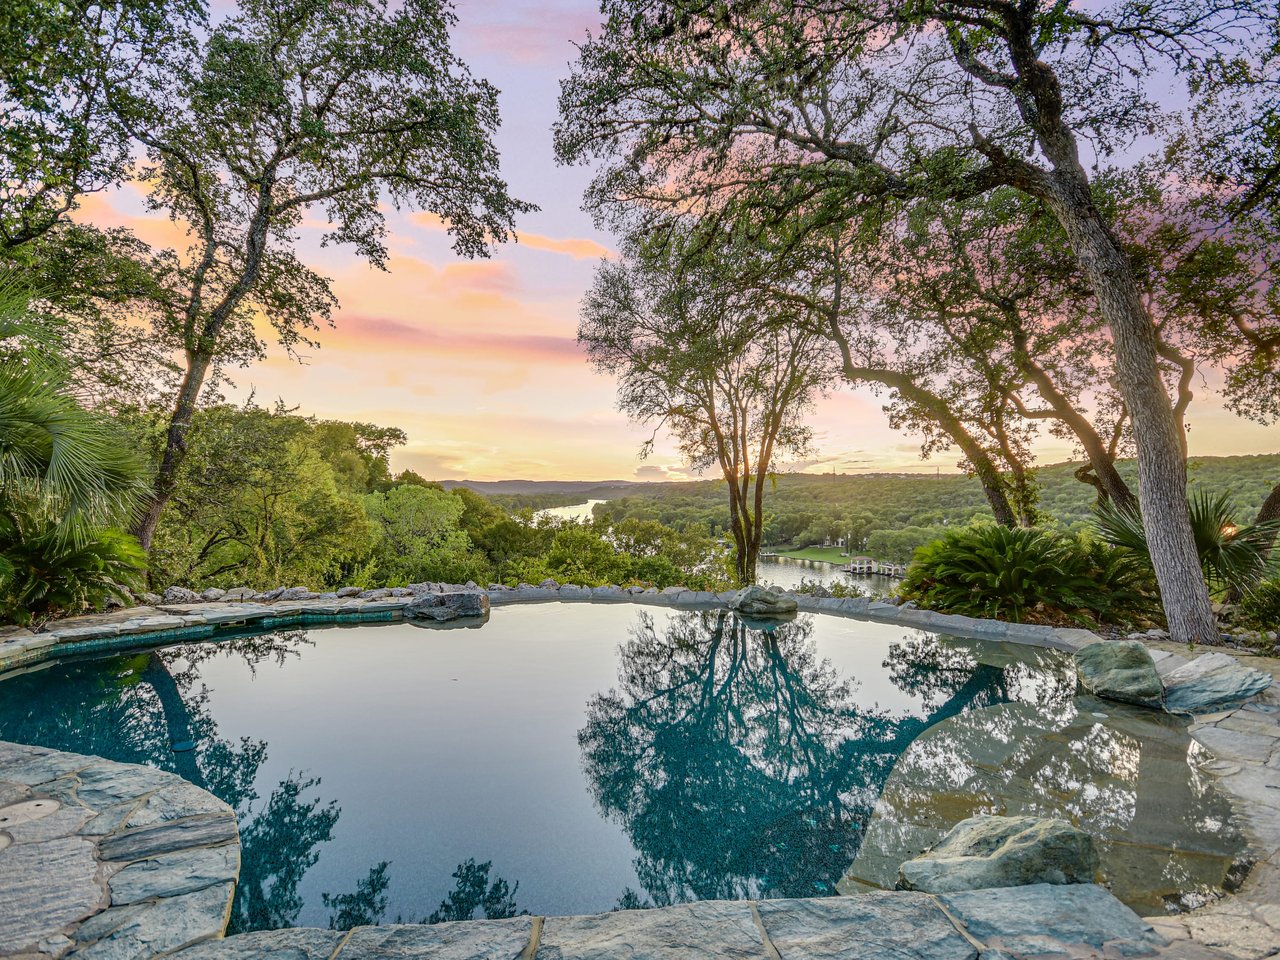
(169,846)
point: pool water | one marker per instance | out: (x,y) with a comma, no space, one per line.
(560,759)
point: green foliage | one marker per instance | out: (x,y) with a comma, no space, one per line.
(54,453)
(859,506)
(257,505)
(1025,575)
(359,453)
(66,477)
(43,573)
(63,72)
(632,553)
(1235,558)
(1261,605)
(419,537)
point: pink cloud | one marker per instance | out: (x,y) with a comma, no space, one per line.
(525,33)
(383,332)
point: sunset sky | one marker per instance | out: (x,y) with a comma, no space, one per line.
(477,360)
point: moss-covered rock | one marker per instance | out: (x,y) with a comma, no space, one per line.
(1120,670)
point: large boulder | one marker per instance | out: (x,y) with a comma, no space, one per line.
(1120,670)
(448,606)
(1211,682)
(180,595)
(986,851)
(757,601)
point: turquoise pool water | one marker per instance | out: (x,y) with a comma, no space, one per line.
(559,759)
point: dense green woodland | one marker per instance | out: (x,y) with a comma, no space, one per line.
(889,515)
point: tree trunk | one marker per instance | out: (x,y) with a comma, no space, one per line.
(1109,482)
(1162,473)
(984,468)
(1270,510)
(175,448)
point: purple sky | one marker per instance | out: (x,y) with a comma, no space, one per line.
(477,361)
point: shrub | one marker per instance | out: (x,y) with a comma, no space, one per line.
(1261,605)
(1026,575)
(45,573)
(1235,557)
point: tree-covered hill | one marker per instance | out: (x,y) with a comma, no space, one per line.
(887,515)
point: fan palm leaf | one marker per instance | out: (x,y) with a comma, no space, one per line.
(52,450)
(1234,557)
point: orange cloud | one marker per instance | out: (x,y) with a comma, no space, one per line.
(579,248)
(155,229)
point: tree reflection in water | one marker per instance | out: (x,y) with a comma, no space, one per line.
(153,708)
(742,765)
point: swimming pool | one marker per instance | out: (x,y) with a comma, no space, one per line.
(560,759)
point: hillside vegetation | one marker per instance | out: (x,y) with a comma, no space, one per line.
(889,515)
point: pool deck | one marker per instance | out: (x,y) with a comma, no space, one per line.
(110,861)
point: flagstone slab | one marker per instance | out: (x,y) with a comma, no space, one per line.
(708,930)
(303,943)
(1051,920)
(893,926)
(44,888)
(463,940)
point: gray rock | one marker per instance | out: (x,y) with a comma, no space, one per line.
(173,874)
(1053,921)
(758,601)
(180,595)
(271,596)
(150,599)
(709,930)
(160,927)
(1120,670)
(168,836)
(238,594)
(1211,682)
(448,606)
(348,592)
(296,593)
(986,851)
(212,594)
(379,594)
(549,583)
(297,944)
(872,926)
(462,940)
(43,888)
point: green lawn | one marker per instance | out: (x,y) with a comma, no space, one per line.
(829,554)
